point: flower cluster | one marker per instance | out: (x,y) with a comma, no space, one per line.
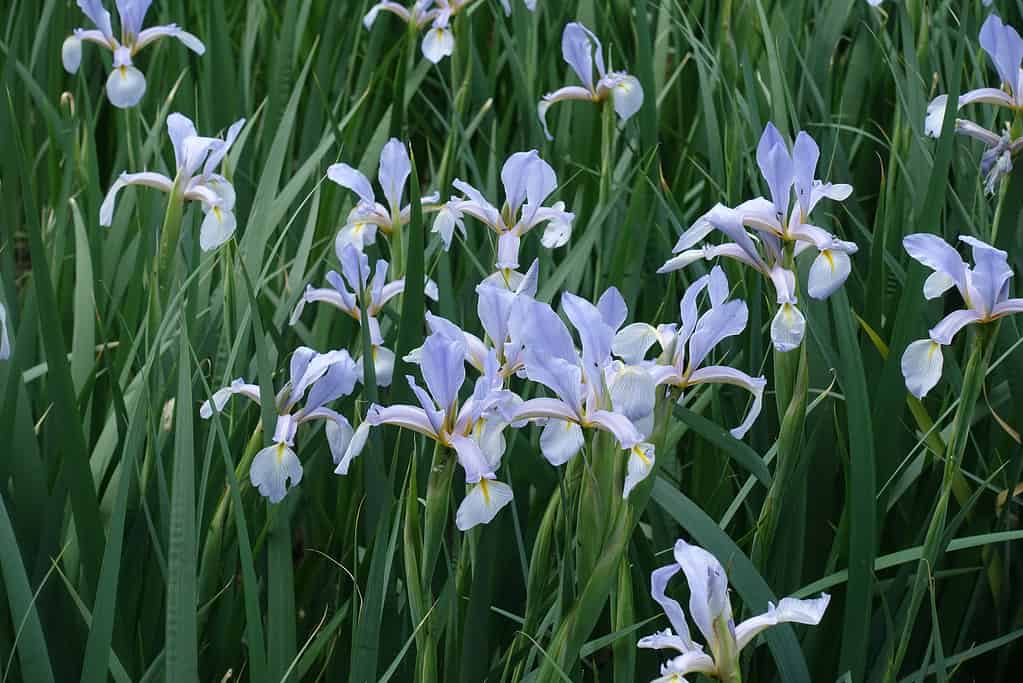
(782,231)
(439,41)
(126,85)
(1004,46)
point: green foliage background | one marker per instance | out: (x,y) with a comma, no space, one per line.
(132,546)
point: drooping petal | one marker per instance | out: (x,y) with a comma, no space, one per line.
(788,328)
(272,469)
(438,43)
(938,255)
(71,54)
(153,34)
(395,168)
(508,251)
(719,374)
(346,176)
(828,272)
(354,449)
(640,465)
(125,86)
(217,228)
(617,425)
(145,179)
(447,219)
(472,460)
(627,94)
(482,503)
(921,366)
(560,440)
(406,417)
(695,661)
(383,365)
(789,610)
(569,92)
(220,397)
(659,579)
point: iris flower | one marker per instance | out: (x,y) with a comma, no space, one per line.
(711,611)
(689,344)
(326,377)
(582,51)
(196,178)
(1004,46)
(369,215)
(355,275)
(126,84)
(473,429)
(775,226)
(578,380)
(984,288)
(528,181)
(5,341)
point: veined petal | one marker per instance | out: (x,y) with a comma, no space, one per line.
(272,469)
(708,589)
(406,417)
(346,176)
(578,45)
(472,459)
(395,168)
(482,503)
(544,408)
(616,424)
(217,228)
(640,465)
(938,255)
(719,374)
(828,272)
(632,342)
(153,34)
(147,179)
(125,86)
(921,366)
(627,95)
(805,154)
(949,326)
(508,251)
(1007,307)
(1005,48)
(990,275)
(438,43)
(560,440)
(721,322)
(787,328)
(442,365)
(99,16)
(791,610)
(775,164)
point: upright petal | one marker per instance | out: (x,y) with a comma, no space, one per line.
(805,155)
(99,16)
(217,154)
(708,588)
(776,166)
(577,47)
(595,334)
(921,366)
(338,381)
(721,322)
(133,14)
(395,168)
(443,368)
(482,503)
(659,579)
(272,469)
(990,274)
(1005,47)
(560,440)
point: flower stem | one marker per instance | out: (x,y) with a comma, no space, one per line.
(170,235)
(934,540)
(607,147)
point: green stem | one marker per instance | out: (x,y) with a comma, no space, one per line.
(438,495)
(607,147)
(170,235)
(934,540)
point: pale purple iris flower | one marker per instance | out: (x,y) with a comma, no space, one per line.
(687,346)
(495,303)
(344,294)
(319,378)
(196,177)
(126,85)
(528,182)
(369,215)
(579,380)
(711,610)
(1004,46)
(473,428)
(439,41)
(583,52)
(984,288)
(5,341)
(775,225)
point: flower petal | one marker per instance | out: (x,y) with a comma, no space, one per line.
(346,176)
(827,273)
(640,465)
(395,168)
(272,469)
(787,328)
(125,86)
(789,610)
(482,503)
(921,366)
(560,440)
